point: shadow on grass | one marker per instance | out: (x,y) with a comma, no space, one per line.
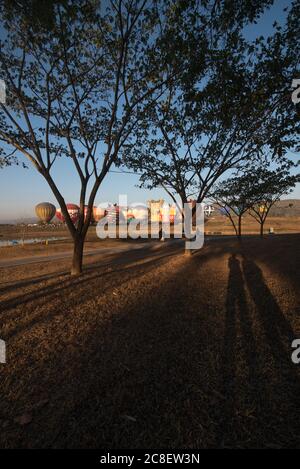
(239,350)
(277,329)
(171,368)
(73,286)
(269,383)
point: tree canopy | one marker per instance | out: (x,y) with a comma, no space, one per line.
(235,111)
(78,84)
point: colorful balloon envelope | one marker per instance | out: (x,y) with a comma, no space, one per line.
(98,213)
(85,213)
(262,209)
(139,212)
(114,214)
(73,211)
(45,211)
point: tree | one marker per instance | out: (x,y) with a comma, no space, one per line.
(255,192)
(230,113)
(235,196)
(269,186)
(77,87)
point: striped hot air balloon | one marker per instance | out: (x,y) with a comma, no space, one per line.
(73,211)
(45,211)
(113,213)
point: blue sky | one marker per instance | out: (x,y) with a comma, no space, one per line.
(21,189)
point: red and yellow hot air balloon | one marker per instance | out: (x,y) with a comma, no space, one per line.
(172,214)
(45,211)
(98,213)
(73,211)
(262,208)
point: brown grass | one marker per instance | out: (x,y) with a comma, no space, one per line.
(154,349)
(280,225)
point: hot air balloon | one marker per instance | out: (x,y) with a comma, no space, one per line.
(262,208)
(45,211)
(98,213)
(126,214)
(140,212)
(73,211)
(114,214)
(85,213)
(172,214)
(165,213)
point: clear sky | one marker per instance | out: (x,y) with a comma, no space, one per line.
(21,189)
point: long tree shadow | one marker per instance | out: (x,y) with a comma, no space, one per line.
(284,379)
(287,258)
(91,272)
(147,374)
(13,286)
(238,352)
(118,257)
(278,331)
(133,380)
(234,297)
(48,293)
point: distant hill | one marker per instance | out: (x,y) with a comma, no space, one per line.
(286,208)
(18,221)
(283,208)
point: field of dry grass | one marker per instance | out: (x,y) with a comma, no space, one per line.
(280,225)
(61,246)
(154,349)
(215,224)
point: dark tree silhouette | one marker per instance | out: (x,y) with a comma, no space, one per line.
(78,83)
(269,186)
(231,112)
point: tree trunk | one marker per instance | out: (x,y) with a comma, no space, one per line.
(160,231)
(77,255)
(240,227)
(262,230)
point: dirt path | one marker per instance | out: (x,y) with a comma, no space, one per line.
(49,257)
(155,351)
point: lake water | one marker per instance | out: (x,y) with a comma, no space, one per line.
(19,242)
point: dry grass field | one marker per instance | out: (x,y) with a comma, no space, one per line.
(290,224)
(250,226)
(154,349)
(215,224)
